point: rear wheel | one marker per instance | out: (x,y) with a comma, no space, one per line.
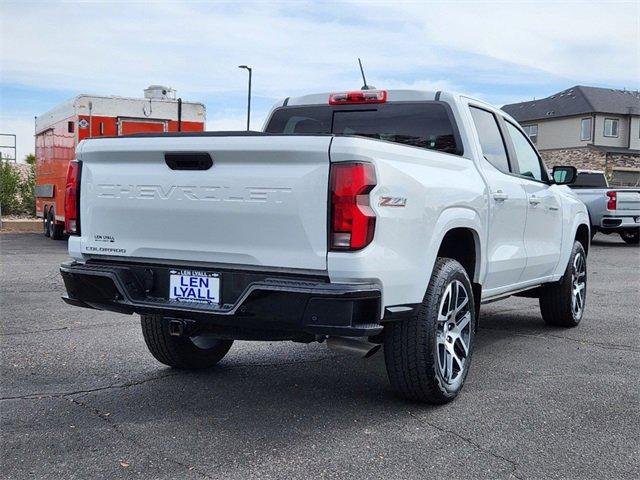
(428,356)
(632,237)
(562,303)
(55,230)
(181,352)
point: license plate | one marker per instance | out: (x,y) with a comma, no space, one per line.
(194,286)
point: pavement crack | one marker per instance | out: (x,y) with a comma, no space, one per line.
(11,334)
(39,396)
(117,429)
(70,328)
(477,446)
(628,348)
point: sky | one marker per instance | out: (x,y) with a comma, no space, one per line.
(500,51)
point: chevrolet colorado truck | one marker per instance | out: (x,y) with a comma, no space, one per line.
(611,210)
(362,219)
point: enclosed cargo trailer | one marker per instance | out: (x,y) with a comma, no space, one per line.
(59,131)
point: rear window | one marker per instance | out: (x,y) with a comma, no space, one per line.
(590,180)
(425,124)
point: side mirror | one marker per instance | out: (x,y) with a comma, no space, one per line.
(564,175)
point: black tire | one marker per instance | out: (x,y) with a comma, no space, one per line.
(557,299)
(412,349)
(45,224)
(632,237)
(55,231)
(180,352)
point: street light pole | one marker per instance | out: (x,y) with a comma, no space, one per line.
(249,96)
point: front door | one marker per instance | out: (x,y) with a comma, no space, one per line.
(543,231)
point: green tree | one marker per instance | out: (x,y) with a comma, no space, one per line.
(17,190)
(27,188)
(9,182)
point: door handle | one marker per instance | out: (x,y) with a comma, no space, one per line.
(500,196)
(533,200)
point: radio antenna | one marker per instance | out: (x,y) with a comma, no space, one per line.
(365,86)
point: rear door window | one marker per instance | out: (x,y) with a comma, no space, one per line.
(419,124)
(491,141)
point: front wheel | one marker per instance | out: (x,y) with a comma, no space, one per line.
(562,303)
(188,353)
(45,224)
(428,356)
(632,237)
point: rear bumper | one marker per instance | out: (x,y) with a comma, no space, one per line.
(619,222)
(254,305)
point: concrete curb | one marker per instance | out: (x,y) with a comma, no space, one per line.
(22,226)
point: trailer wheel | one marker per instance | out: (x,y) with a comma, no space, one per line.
(55,230)
(45,223)
(187,353)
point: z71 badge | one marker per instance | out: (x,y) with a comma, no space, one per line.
(392,202)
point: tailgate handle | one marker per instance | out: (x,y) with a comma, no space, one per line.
(188,161)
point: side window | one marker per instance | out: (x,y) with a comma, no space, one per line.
(527,158)
(491,140)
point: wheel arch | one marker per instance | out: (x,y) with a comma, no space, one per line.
(583,235)
(457,230)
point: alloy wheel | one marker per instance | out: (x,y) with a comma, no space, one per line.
(578,285)
(453,335)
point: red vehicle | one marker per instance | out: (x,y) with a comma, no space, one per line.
(59,131)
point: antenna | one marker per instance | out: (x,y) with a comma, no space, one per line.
(365,86)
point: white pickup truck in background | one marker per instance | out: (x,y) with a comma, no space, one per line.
(360,219)
(611,210)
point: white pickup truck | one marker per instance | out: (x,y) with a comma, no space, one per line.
(360,219)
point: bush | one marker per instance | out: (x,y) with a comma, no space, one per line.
(17,188)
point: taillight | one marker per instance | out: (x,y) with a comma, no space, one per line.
(613,199)
(72,199)
(352,219)
(358,96)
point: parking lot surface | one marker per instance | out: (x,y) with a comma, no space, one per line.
(82,397)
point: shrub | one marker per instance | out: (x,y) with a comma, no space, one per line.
(17,188)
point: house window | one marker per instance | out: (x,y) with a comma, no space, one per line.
(532,132)
(70,127)
(611,127)
(585,129)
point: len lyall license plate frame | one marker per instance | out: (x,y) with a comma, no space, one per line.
(194,286)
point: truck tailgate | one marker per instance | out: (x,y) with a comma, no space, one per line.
(628,200)
(263,202)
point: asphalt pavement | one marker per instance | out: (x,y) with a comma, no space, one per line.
(81,397)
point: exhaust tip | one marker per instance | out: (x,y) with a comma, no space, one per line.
(354,345)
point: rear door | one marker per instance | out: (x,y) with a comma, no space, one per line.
(261,202)
(506,255)
(543,231)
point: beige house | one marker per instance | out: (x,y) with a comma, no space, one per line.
(589,127)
